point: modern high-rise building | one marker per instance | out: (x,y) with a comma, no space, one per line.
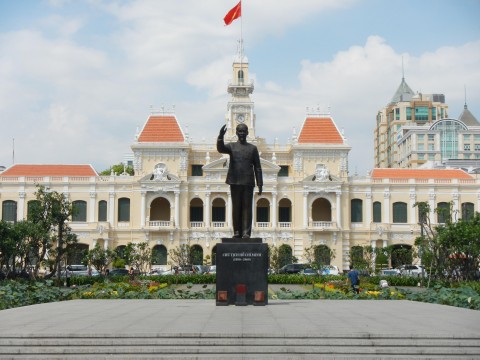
(406,109)
(178,194)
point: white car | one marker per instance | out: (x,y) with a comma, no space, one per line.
(329,270)
(412,270)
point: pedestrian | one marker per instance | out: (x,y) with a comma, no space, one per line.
(131,273)
(354,280)
(68,274)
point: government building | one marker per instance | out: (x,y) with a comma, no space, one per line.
(178,194)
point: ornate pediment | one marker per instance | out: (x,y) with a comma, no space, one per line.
(160,174)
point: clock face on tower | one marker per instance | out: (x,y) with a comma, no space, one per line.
(240,118)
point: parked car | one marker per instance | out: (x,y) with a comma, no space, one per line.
(389,272)
(212,269)
(412,270)
(308,272)
(80,270)
(118,271)
(292,268)
(330,270)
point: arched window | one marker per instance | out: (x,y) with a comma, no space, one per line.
(443,212)
(124,209)
(377,212)
(323,255)
(356,257)
(33,210)
(263,211)
(196,255)
(284,255)
(468,210)
(9,211)
(218,210)
(196,210)
(79,211)
(76,253)
(321,210)
(285,211)
(400,212)
(240,76)
(160,210)
(102,210)
(121,252)
(356,210)
(159,255)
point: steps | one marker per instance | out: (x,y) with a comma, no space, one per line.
(218,346)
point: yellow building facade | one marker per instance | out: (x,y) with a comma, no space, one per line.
(178,194)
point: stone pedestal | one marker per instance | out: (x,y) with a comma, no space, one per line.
(242,272)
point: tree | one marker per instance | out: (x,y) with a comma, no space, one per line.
(139,256)
(450,250)
(7,245)
(118,169)
(100,258)
(181,255)
(53,212)
(319,256)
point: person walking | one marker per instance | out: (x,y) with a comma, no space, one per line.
(354,280)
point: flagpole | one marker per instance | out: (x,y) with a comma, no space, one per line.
(241,37)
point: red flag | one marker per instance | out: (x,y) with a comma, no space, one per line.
(233,14)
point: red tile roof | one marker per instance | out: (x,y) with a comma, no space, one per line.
(419,174)
(161,129)
(49,170)
(321,130)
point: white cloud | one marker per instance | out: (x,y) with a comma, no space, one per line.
(78,101)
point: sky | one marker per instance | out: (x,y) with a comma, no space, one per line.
(78,78)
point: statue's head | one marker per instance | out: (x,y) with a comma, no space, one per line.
(242,132)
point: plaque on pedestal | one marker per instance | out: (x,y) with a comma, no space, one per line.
(242,272)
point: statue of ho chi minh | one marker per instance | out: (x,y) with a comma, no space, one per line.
(244,169)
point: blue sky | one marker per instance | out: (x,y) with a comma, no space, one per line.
(77,78)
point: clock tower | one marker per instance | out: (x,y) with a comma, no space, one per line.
(240,106)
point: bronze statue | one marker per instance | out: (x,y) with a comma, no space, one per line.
(243,170)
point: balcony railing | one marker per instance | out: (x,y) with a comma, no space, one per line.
(196,224)
(262,224)
(285,225)
(160,223)
(218,224)
(323,225)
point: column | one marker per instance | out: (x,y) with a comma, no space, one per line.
(274,207)
(305,209)
(339,209)
(368,208)
(143,209)
(455,205)
(431,203)
(105,243)
(111,208)
(21,206)
(413,210)
(91,207)
(177,209)
(206,210)
(386,206)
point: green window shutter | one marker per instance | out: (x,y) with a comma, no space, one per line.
(400,212)
(9,210)
(124,209)
(102,210)
(79,211)
(377,212)
(356,208)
